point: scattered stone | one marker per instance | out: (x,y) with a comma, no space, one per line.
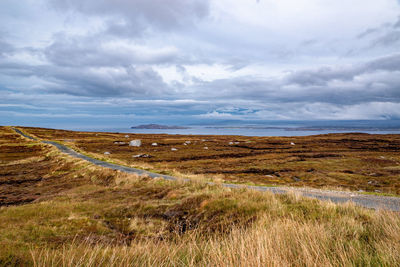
(270,176)
(188,142)
(141,156)
(291,143)
(382,157)
(174,149)
(184,144)
(231,143)
(372,182)
(135,143)
(119,143)
(154,144)
(106,153)
(205,147)
(126,136)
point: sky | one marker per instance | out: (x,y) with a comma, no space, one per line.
(97,63)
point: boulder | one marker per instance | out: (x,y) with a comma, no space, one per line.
(174,149)
(154,144)
(292,144)
(135,143)
(106,153)
(126,136)
(205,147)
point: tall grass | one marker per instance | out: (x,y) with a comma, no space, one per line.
(270,241)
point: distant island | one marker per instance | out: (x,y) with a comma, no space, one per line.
(310,128)
(157,126)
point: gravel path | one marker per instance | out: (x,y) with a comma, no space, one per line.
(367,201)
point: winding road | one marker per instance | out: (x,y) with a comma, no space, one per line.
(367,201)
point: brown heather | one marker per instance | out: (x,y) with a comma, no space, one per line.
(352,161)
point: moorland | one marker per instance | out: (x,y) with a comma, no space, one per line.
(56,210)
(349,161)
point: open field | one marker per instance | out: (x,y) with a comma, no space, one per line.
(60,211)
(347,161)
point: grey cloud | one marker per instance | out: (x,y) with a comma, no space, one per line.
(367,32)
(389,39)
(160,14)
(92,51)
(397,24)
(5,47)
(323,76)
(119,82)
(386,35)
(377,80)
(388,63)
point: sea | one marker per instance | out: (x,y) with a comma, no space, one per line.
(270,129)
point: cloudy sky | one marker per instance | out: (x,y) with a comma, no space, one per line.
(79,63)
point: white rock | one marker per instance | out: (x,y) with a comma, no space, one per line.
(236,143)
(119,143)
(106,153)
(141,156)
(174,149)
(291,143)
(205,147)
(231,143)
(154,144)
(126,136)
(188,142)
(135,143)
(184,144)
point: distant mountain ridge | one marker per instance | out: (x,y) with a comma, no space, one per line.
(157,126)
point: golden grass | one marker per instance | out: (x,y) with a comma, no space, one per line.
(268,242)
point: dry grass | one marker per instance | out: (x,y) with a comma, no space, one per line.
(91,216)
(269,242)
